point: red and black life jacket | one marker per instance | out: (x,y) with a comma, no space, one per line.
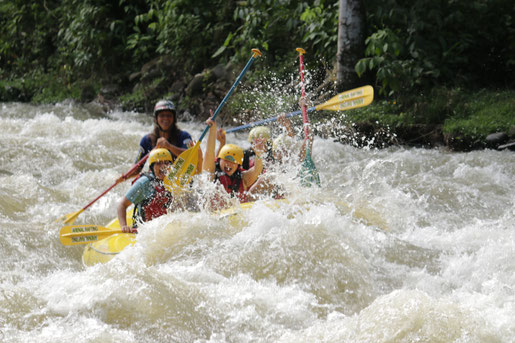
(155,206)
(233,184)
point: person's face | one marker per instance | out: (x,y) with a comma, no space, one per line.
(165,119)
(228,167)
(161,169)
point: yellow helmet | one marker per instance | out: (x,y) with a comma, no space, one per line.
(231,153)
(260,131)
(158,155)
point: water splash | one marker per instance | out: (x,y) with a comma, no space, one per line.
(397,244)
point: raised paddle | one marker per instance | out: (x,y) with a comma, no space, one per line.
(354,98)
(84,234)
(71,217)
(308,172)
(186,163)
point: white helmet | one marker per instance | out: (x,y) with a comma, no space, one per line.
(164,105)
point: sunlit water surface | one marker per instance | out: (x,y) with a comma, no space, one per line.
(398,245)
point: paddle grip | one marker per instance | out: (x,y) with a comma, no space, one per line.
(136,166)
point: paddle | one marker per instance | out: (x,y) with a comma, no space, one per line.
(308,172)
(71,217)
(84,234)
(354,98)
(186,163)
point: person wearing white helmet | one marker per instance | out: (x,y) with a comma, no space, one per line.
(226,168)
(165,134)
(148,194)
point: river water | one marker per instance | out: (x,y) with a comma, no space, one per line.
(398,245)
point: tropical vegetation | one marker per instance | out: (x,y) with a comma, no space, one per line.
(56,49)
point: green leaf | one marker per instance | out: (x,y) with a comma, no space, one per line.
(361,67)
(219,51)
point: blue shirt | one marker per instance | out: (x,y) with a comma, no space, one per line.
(145,145)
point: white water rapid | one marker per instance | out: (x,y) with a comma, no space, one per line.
(398,245)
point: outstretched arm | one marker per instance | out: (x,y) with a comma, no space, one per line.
(220,137)
(250,176)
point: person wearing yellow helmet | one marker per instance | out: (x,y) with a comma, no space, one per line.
(148,194)
(260,138)
(226,167)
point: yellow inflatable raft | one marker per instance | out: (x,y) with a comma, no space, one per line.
(104,250)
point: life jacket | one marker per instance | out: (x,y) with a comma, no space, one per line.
(233,184)
(155,206)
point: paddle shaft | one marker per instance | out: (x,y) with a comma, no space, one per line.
(103,232)
(268,120)
(347,100)
(84,234)
(308,171)
(124,176)
(70,218)
(255,53)
(184,166)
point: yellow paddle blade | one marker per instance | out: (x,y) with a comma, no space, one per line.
(183,169)
(84,234)
(354,98)
(348,104)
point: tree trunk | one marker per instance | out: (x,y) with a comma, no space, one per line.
(351,43)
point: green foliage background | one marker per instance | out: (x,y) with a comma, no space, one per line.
(410,44)
(423,43)
(426,55)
